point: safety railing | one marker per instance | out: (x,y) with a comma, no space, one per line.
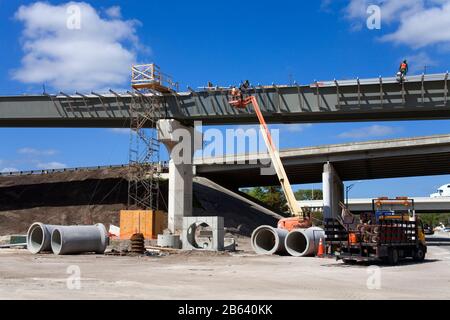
(163,164)
(148,75)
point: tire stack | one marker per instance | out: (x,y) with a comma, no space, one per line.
(138,243)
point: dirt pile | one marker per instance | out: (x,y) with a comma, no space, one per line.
(86,197)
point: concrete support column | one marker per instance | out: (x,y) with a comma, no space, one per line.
(181,142)
(180,195)
(333,192)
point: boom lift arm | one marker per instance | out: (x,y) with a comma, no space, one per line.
(299,220)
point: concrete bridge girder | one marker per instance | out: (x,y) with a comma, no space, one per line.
(344,100)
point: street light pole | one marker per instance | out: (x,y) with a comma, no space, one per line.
(347,190)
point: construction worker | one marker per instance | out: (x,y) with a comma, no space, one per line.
(245,85)
(236,94)
(403,68)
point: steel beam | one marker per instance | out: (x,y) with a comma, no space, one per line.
(420,97)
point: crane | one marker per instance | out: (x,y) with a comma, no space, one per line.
(299,218)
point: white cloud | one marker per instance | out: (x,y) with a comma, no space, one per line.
(96,55)
(299,127)
(114,12)
(325,5)
(423,28)
(8,170)
(120,130)
(369,132)
(37,152)
(391,10)
(51,165)
(417,23)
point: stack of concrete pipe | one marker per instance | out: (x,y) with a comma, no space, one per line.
(62,240)
(267,240)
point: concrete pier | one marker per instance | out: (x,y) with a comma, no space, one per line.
(333,192)
(181,142)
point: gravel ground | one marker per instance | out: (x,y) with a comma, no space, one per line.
(218,276)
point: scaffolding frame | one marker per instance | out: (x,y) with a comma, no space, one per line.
(149,84)
(144,151)
(149,76)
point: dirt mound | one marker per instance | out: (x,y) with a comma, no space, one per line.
(241,215)
(86,197)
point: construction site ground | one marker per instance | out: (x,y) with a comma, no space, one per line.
(202,275)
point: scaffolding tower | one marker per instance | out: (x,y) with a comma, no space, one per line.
(144,152)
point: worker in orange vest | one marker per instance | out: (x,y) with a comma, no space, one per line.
(404,68)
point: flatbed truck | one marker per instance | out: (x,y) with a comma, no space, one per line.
(384,235)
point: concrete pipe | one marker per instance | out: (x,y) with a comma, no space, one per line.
(268,240)
(304,242)
(79,239)
(39,237)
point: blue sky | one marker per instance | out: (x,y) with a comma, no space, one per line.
(222,42)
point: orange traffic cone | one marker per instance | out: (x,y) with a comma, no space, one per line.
(321,250)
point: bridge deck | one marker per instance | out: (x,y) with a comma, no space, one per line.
(420,97)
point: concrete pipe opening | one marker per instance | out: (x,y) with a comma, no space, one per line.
(296,243)
(39,238)
(268,240)
(56,241)
(200,236)
(304,242)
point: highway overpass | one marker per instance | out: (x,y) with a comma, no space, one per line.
(421,204)
(419,156)
(420,97)
(406,157)
(328,164)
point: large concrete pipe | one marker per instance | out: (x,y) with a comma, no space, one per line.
(79,239)
(268,240)
(304,242)
(39,237)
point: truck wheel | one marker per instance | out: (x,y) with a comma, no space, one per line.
(393,257)
(419,254)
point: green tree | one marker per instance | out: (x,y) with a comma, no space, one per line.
(304,194)
(272,196)
(433,219)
